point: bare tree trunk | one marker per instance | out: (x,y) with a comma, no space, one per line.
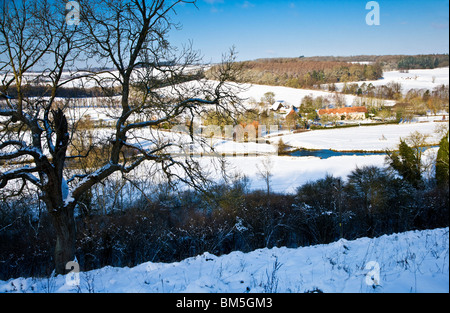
(128,35)
(65,228)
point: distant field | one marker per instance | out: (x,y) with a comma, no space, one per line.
(363,138)
(414,79)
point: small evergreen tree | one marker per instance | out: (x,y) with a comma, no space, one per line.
(407,163)
(442,169)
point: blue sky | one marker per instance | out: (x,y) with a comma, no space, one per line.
(290,28)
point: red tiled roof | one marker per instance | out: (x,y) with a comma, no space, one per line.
(347,110)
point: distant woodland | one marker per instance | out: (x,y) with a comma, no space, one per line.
(312,71)
(303,73)
(392,62)
(38,88)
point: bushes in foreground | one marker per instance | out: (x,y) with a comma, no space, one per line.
(170,227)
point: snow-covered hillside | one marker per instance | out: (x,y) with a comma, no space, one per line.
(364,138)
(414,79)
(416,262)
(292,96)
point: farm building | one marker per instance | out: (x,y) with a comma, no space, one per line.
(350,113)
(281,106)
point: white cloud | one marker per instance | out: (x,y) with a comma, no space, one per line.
(213,1)
(247,5)
(213,4)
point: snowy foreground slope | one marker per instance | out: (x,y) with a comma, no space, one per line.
(407,262)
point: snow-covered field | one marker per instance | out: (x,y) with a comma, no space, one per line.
(289,173)
(414,79)
(412,262)
(292,96)
(363,138)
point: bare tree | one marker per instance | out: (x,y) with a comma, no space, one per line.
(32,133)
(131,38)
(265,172)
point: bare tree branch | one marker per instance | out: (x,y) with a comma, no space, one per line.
(148,75)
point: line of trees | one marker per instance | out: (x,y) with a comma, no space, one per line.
(423,62)
(391,62)
(44,89)
(393,91)
(301,73)
(413,102)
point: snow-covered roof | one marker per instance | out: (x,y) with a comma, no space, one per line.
(276,106)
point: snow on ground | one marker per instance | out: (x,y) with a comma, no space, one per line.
(289,173)
(414,79)
(363,138)
(292,96)
(412,262)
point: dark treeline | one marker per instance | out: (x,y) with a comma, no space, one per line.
(302,73)
(170,226)
(423,62)
(393,62)
(34,90)
(41,90)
